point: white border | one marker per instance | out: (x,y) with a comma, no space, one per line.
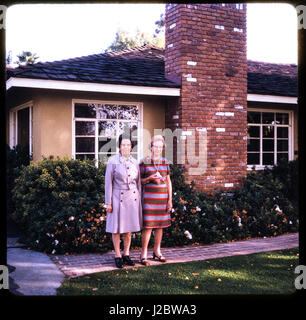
(93,87)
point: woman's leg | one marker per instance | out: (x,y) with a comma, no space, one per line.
(146,234)
(127,243)
(116,243)
(158,235)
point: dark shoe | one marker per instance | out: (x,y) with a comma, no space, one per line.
(119,262)
(144,261)
(128,261)
(159,258)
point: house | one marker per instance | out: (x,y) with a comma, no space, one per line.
(234,113)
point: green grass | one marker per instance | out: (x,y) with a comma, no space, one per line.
(261,273)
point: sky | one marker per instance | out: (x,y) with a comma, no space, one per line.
(56,32)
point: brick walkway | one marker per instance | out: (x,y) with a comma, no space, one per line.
(75,265)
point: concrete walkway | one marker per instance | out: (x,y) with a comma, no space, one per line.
(34,273)
(31,273)
(75,265)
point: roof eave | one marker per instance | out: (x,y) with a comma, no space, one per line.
(271,98)
(92,87)
(125,89)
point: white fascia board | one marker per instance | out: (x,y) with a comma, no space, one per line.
(93,87)
(270,98)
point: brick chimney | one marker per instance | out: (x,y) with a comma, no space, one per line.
(206,51)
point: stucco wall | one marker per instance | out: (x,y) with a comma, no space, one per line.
(52,118)
(53,126)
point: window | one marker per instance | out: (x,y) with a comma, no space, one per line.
(21,127)
(269,137)
(98,125)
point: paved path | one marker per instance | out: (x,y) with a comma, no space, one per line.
(32,273)
(75,265)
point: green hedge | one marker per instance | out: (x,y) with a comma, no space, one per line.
(266,205)
(59,204)
(16,159)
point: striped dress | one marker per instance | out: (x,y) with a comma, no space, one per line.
(155,196)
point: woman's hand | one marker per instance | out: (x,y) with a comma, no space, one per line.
(109,208)
(169,206)
(153,177)
(157,177)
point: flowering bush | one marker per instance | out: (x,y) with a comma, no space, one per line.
(266,205)
(59,204)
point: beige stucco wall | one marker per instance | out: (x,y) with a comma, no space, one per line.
(153,119)
(52,126)
(52,118)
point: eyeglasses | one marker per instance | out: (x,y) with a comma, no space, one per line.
(158,147)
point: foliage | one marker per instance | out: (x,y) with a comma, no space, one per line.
(266,205)
(16,158)
(125,40)
(9,58)
(160,24)
(59,205)
(26,57)
(59,202)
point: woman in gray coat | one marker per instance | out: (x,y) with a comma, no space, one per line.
(123,200)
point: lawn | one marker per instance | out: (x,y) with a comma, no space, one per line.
(261,273)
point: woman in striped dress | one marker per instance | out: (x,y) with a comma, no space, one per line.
(157,198)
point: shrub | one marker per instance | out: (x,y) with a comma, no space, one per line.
(266,205)
(59,204)
(16,158)
(288,175)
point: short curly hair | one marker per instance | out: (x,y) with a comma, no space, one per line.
(157,137)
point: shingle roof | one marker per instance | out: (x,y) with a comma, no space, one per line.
(144,66)
(272,79)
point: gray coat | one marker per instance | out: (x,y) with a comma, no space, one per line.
(123,192)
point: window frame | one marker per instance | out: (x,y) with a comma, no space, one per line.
(13,125)
(96,120)
(290,136)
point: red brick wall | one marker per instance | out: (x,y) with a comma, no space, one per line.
(206,51)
